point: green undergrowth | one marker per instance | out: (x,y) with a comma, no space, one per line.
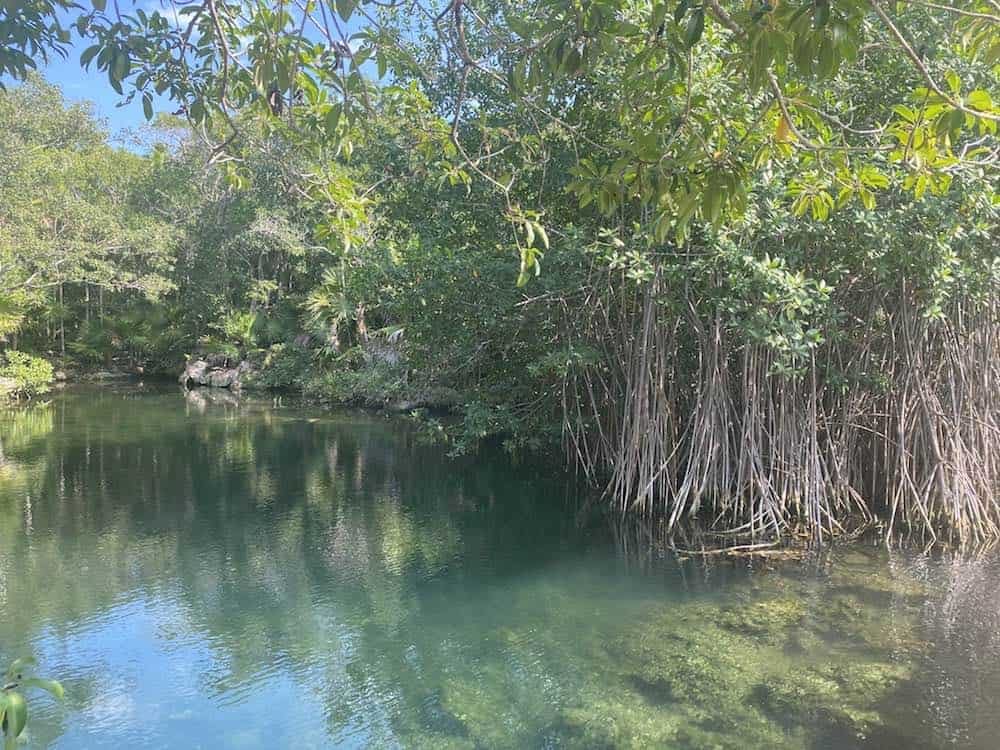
(23,375)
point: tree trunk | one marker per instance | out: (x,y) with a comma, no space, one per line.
(62,322)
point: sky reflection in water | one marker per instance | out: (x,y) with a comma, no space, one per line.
(204,572)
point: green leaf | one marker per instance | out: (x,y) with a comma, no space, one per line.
(954,82)
(695,27)
(309,87)
(519,76)
(686,207)
(345,8)
(99,5)
(121,65)
(283,75)
(981,100)
(658,16)
(197,111)
(542,234)
(821,16)
(681,9)
(16,715)
(943,124)
(956,119)
(147,106)
(88,54)
(712,203)
(332,118)
(50,686)
(104,57)
(827,58)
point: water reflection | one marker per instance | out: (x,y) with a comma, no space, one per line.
(265,555)
(229,573)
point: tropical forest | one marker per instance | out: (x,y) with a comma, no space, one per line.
(500,374)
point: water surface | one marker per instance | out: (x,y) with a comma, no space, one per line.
(202,572)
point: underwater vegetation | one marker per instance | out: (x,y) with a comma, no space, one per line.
(242,563)
(786,662)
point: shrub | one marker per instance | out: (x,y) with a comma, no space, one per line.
(29,376)
(370,386)
(284,366)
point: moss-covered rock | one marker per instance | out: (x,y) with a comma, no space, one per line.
(764,671)
(768,619)
(806,699)
(782,661)
(491,707)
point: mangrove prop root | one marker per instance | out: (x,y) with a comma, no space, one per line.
(692,419)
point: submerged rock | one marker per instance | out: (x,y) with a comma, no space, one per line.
(760,673)
(790,662)
(222,378)
(436,718)
(768,619)
(194,373)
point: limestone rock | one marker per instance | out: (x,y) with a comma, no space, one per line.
(200,372)
(194,373)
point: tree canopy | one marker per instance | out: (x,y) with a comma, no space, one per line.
(839,99)
(738,260)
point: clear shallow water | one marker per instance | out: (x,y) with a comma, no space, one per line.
(244,575)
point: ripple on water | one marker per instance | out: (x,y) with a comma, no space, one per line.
(232,577)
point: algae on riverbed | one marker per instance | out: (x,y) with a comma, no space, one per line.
(772,667)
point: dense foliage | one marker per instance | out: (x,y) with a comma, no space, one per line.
(80,242)
(738,260)
(22,374)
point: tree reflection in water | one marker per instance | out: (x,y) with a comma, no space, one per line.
(248,575)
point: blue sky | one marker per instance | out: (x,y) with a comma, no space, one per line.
(92,85)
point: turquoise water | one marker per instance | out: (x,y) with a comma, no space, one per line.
(202,572)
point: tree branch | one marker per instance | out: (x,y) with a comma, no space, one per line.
(919,64)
